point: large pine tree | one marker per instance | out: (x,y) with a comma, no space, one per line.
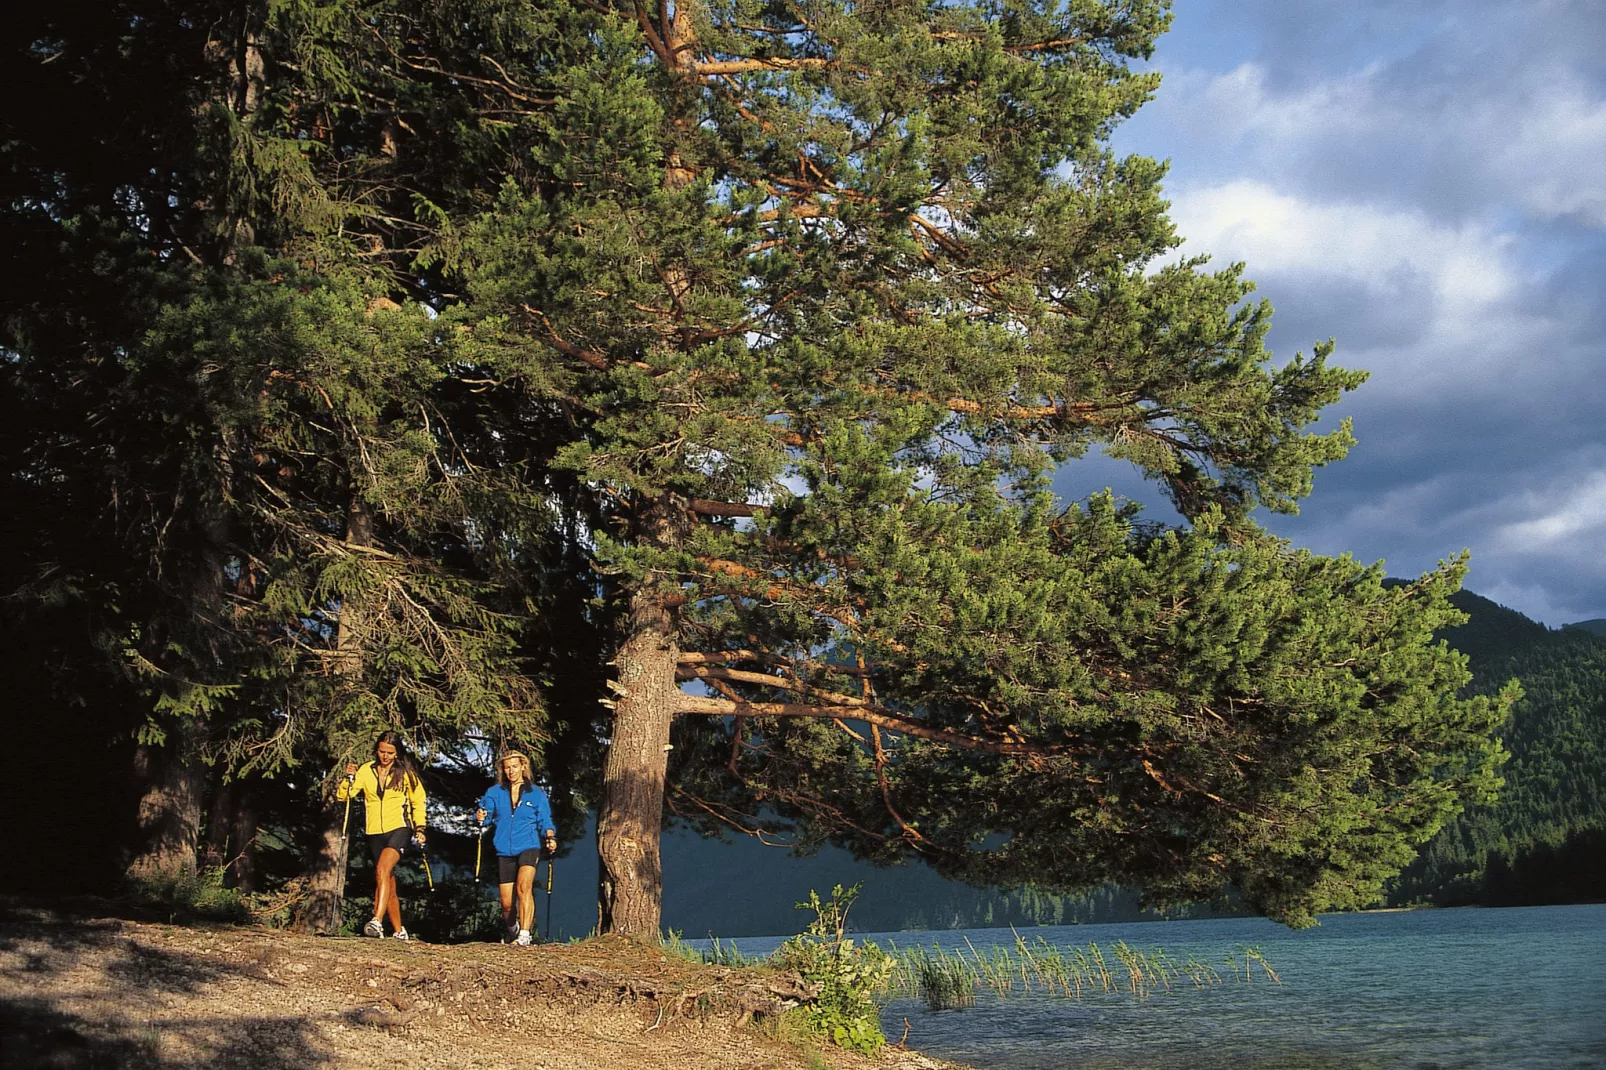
(829,292)
(772,323)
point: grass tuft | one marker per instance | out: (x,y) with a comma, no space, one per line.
(951,978)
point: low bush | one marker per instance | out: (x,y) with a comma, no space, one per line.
(851,975)
(188,895)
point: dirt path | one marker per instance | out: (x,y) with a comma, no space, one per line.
(77,993)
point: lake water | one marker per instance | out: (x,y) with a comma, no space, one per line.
(1470,989)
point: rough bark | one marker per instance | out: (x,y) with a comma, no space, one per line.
(320,911)
(172,779)
(630,876)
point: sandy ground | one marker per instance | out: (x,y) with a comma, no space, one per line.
(79,993)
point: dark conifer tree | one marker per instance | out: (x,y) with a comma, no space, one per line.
(772,322)
(232,436)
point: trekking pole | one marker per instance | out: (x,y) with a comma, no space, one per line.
(417,829)
(479,849)
(549,900)
(345,833)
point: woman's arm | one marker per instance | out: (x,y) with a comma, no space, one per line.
(543,815)
(355,783)
(487,812)
(416,803)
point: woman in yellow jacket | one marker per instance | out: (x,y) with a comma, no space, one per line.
(393,796)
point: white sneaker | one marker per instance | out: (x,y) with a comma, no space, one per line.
(401,934)
(524,939)
(375,927)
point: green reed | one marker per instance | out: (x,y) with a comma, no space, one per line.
(729,955)
(952,978)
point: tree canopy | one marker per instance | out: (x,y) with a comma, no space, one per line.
(407,355)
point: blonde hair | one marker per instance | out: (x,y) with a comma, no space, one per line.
(526,769)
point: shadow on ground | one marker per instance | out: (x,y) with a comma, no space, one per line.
(75,997)
(35,1033)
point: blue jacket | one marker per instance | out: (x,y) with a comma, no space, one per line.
(516,830)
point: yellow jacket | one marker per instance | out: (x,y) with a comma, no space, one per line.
(385,811)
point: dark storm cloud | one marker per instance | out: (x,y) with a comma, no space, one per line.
(1423,181)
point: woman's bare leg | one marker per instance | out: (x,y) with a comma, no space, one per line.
(385,901)
(506,891)
(527,897)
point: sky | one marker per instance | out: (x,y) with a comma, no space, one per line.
(1425,181)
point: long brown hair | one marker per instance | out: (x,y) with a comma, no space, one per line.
(403,771)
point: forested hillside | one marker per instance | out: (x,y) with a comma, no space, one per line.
(1544,840)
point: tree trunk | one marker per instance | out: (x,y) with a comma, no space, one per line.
(243,836)
(173,779)
(321,911)
(630,877)
(218,821)
(231,831)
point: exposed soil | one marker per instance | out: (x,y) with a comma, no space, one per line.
(103,992)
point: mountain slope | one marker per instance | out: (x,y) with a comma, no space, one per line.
(1542,840)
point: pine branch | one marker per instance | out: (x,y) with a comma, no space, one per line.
(747,66)
(698,705)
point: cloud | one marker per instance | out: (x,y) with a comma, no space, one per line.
(1424,181)
(1427,275)
(1447,315)
(1534,536)
(1561,518)
(1492,108)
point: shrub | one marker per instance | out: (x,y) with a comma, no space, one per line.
(189,894)
(850,975)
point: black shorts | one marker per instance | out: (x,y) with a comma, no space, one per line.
(396,839)
(508,866)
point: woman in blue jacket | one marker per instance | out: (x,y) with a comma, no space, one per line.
(523,820)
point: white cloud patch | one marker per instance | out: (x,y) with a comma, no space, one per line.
(1279,232)
(1535,534)
(1435,305)
(1559,518)
(1554,159)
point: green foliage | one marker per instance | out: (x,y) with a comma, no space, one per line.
(726,955)
(251,524)
(850,974)
(1531,845)
(374,358)
(674,946)
(188,895)
(944,981)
